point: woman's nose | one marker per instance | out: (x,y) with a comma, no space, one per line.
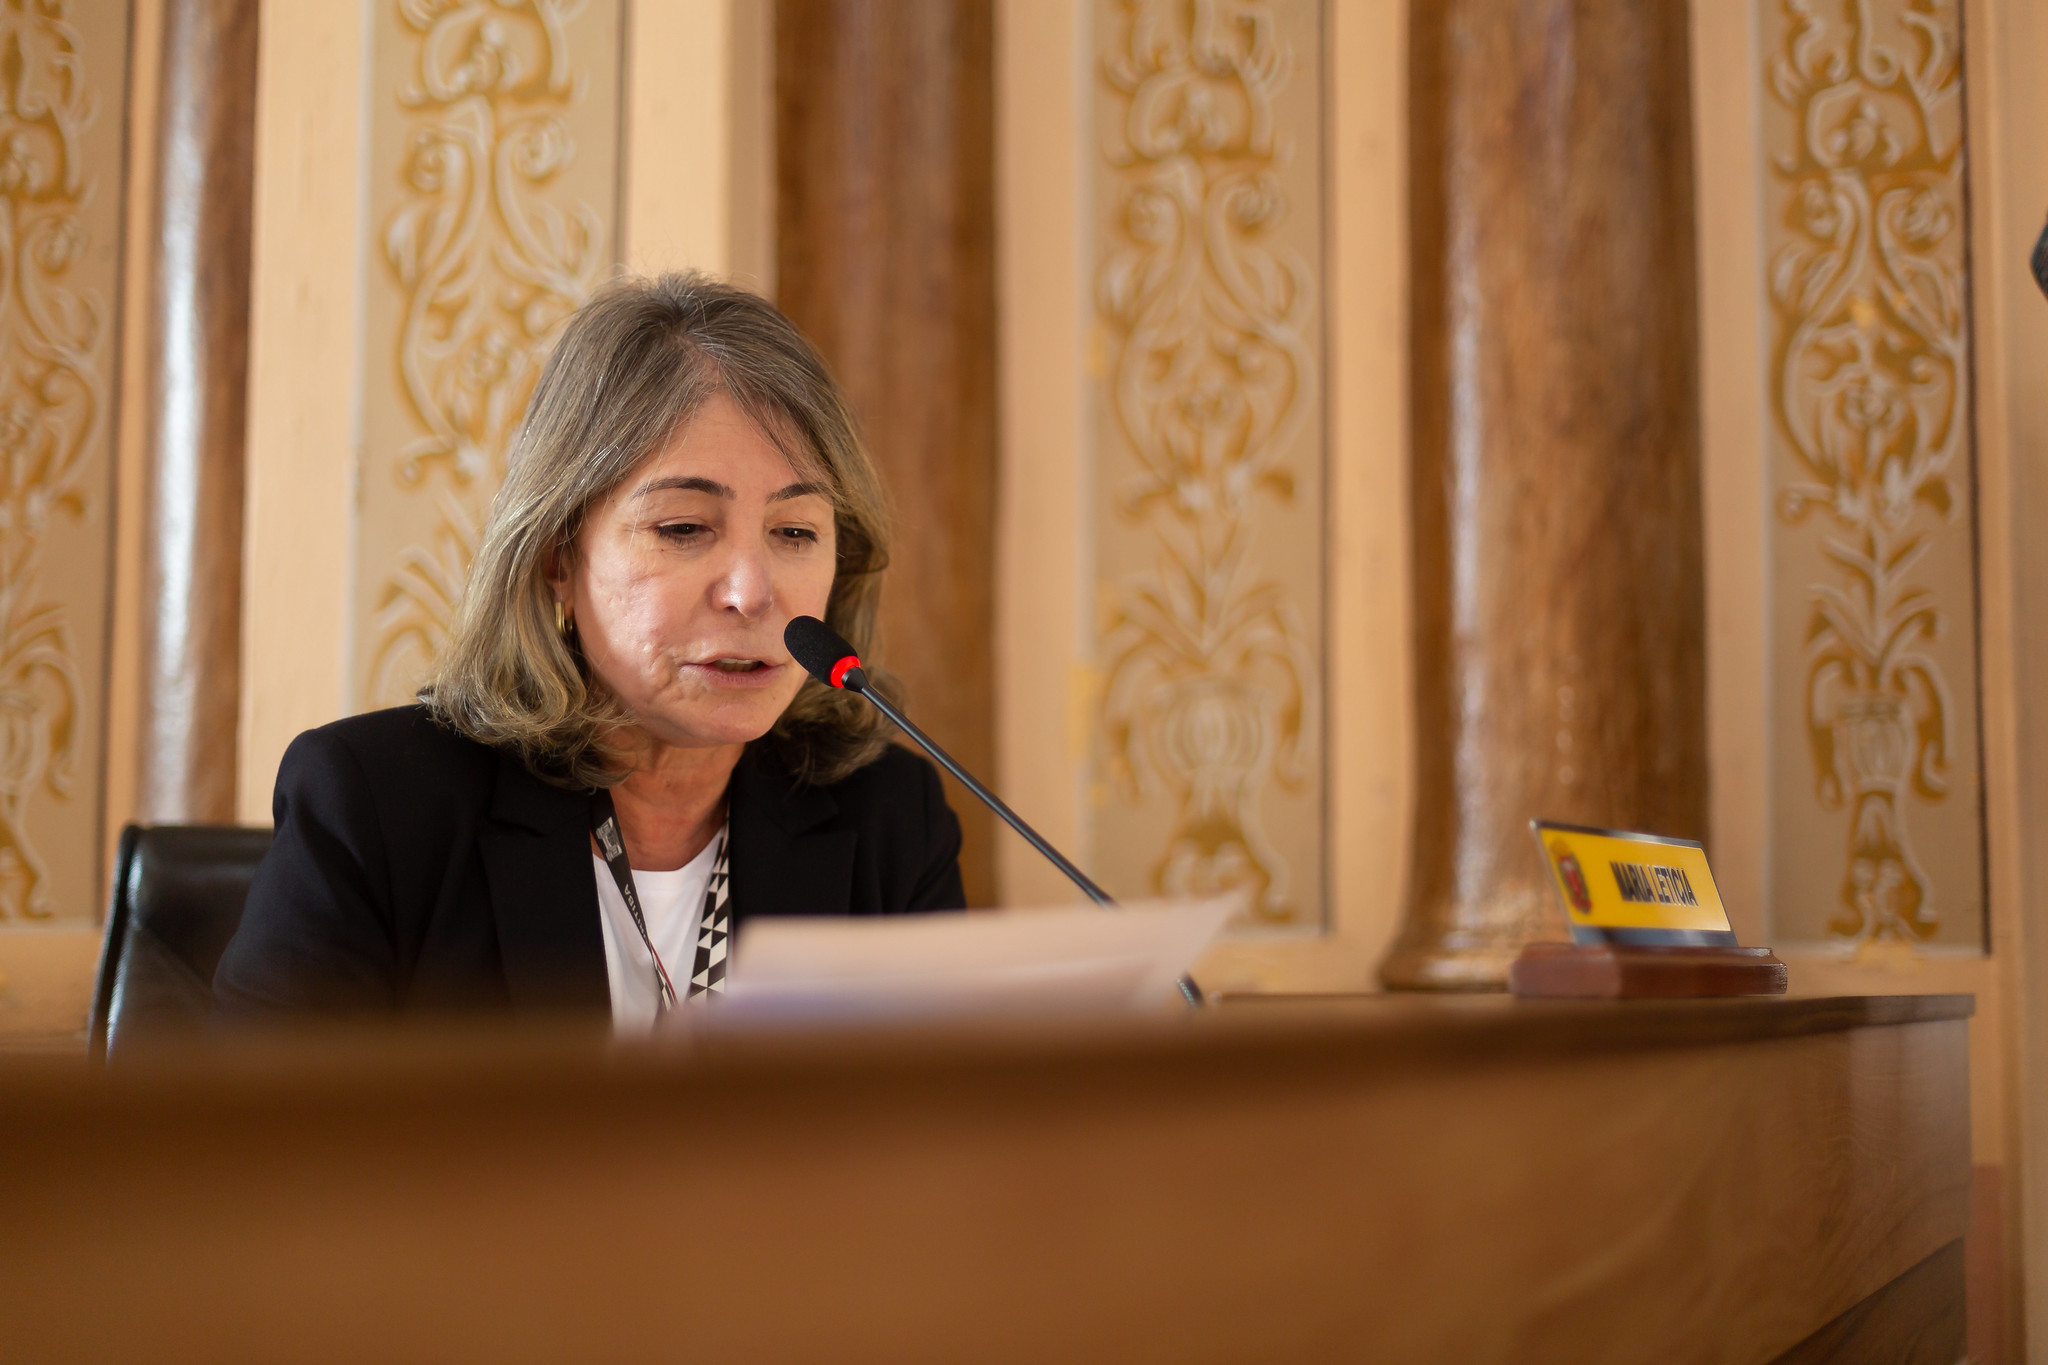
(745,585)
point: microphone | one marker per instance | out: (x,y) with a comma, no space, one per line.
(826,656)
(2039,261)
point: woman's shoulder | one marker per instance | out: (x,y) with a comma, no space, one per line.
(897,806)
(405,748)
(896,797)
(895,786)
(905,844)
(895,771)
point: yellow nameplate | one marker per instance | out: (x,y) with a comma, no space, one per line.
(1633,888)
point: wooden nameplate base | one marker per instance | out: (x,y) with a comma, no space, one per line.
(1613,972)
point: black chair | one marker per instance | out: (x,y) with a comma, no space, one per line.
(177,898)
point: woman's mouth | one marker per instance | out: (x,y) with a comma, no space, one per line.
(735,671)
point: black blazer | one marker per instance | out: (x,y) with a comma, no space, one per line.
(415,868)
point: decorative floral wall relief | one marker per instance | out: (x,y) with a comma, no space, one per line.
(1208,297)
(62,76)
(1870,404)
(495,148)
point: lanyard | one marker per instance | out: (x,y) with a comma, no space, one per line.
(604,823)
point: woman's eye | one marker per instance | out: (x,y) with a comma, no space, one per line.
(800,533)
(680,530)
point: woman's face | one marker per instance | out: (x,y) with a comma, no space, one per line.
(684,577)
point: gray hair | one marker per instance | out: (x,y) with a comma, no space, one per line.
(632,367)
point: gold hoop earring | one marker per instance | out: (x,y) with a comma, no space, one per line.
(563,621)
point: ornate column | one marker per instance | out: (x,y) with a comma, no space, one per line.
(196,391)
(1559,636)
(885,245)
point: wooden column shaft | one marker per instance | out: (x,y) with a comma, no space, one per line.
(884,125)
(197,389)
(1558,566)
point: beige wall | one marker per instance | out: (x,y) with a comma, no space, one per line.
(1726,87)
(305,334)
(124,645)
(700,114)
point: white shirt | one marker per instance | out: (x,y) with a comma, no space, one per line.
(674,905)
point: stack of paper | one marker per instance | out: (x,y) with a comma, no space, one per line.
(1085,958)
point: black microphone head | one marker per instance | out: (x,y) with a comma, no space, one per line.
(2040,261)
(823,651)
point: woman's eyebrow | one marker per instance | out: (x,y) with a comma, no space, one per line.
(693,484)
(689,484)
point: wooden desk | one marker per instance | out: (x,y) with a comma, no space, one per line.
(1386,1179)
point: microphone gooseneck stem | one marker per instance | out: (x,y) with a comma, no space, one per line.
(856,681)
(994,802)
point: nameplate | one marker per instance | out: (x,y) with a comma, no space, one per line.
(1635,889)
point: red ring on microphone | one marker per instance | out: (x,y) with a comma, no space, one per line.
(842,668)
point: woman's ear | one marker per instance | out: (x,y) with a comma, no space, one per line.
(555,569)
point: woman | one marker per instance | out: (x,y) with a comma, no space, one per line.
(614,680)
